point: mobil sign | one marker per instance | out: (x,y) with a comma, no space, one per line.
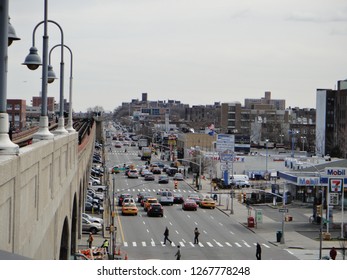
(336,172)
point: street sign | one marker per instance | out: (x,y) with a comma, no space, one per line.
(283,210)
(225,142)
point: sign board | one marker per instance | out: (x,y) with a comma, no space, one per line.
(336,172)
(225,142)
(226,156)
(333,199)
(259,216)
(283,210)
(335,185)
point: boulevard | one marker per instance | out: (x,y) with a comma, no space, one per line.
(222,237)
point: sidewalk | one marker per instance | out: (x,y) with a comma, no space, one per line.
(306,247)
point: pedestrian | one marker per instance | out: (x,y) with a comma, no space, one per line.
(166,236)
(258,252)
(105,245)
(178,253)
(333,253)
(90,240)
(196,236)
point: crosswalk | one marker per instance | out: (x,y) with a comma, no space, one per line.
(183,243)
(154,191)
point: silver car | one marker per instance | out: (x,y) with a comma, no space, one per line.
(90,226)
(93,219)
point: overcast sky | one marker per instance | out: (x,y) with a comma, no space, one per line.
(195,51)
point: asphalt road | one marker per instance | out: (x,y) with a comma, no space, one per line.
(141,237)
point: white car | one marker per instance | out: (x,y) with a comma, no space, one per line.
(240,183)
(93,219)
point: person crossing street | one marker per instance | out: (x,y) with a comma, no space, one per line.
(166,236)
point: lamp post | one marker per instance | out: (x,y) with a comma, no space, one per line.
(303,139)
(33,61)
(293,132)
(267,154)
(7,35)
(61,129)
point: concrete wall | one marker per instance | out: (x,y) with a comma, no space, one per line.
(41,193)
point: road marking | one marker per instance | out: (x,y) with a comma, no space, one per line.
(177,232)
(220,245)
(134,244)
(204,231)
(228,244)
(265,245)
(212,217)
(125,244)
(289,251)
(191,244)
(173,244)
(148,230)
(188,216)
(244,242)
(237,244)
(231,232)
(208,243)
(144,244)
(200,244)
(195,223)
(182,244)
(221,224)
(144,222)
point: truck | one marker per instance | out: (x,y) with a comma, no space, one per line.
(143,142)
(146,153)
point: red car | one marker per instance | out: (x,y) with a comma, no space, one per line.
(190,204)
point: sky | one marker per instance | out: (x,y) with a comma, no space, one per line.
(194,51)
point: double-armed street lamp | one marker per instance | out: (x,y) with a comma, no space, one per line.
(7,36)
(51,75)
(33,61)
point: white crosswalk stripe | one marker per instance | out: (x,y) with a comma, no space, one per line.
(183,243)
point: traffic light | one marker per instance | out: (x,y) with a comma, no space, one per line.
(319,210)
(244,197)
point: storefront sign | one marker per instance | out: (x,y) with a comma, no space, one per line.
(307,181)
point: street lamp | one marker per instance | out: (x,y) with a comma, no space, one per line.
(7,35)
(61,129)
(267,154)
(33,61)
(303,139)
(293,132)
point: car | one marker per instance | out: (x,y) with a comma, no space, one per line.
(207,202)
(239,183)
(115,169)
(144,199)
(149,176)
(94,181)
(148,202)
(155,209)
(93,219)
(132,144)
(178,177)
(156,170)
(141,195)
(128,200)
(132,173)
(126,143)
(118,144)
(88,226)
(98,188)
(144,172)
(189,204)
(129,209)
(171,171)
(178,198)
(121,198)
(163,179)
(196,197)
(166,197)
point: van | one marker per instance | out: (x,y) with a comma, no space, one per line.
(166,197)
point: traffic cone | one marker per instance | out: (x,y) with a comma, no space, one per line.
(118,252)
(126,256)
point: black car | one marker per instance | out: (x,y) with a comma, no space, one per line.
(155,210)
(121,198)
(178,198)
(141,195)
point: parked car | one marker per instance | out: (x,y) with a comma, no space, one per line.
(240,183)
(93,219)
(90,226)
(190,204)
(155,209)
(98,188)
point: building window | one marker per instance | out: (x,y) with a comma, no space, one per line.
(17,107)
(9,106)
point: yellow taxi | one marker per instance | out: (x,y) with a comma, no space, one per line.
(149,201)
(129,209)
(207,202)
